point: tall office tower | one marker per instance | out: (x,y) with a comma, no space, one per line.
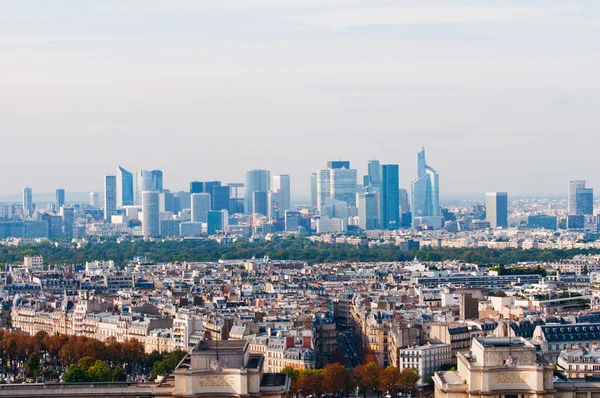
(389,197)
(143,182)
(124,187)
(110,197)
(196,187)
(256,180)
(94,199)
(496,209)
(425,190)
(584,198)
(336,183)
(372,180)
(260,200)
(157,180)
(151,213)
(54,225)
(281,185)
(313,189)
(185,200)
(60,198)
(166,201)
(220,197)
(572,200)
(236,204)
(404,201)
(367,210)
(274,200)
(338,164)
(68,215)
(217,221)
(200,206)
(27,200)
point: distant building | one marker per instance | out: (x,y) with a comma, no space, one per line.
(220,197)
(94,199)
(151,213)
(367,210)
(124,187)
(110,197)
(143,182)
(60,198)
(170,227)
(157,180)
(425,190)
(469,307)
(27,200)
(260,202)
(497,209)
(281,185)
(542,221)
(256,180)
(217,221)
(572,199)
(337,183)
(190,228)
(313,189)
(68,215)
(390,197)
(584,198)
(200,206)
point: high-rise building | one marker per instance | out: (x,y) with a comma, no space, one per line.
(260,203)
(94,199)
(338,164)
(572,199)
(336,182)
(389,194)
(110,197)
(236,204)
(313,190)
(584,198)
(220,197)
(55,225)
(27,200)
(60,198)
(367,210)
(124,187)
(170,227)
(496,209)
(167,200)
(372,180)
(196,187)
(151,213)
(217,221)
(185,200)
(200,206)
(143,182)
(68,215)
(425,190)
(256,180)
(281,185)
(404,201)
(157,180)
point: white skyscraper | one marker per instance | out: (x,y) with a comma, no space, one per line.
(143,182)
(281,185)
(151,213)
(200,206)
(94,199)
(110,197)
(367,210)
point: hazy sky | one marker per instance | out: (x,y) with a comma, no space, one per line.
(504,95)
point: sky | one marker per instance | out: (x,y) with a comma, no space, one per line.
(504,95)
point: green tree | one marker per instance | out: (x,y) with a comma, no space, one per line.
(100,372)
(32,367)
(86,363)
(118,374)
(408,379)
(75,374)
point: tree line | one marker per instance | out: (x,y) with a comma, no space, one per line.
(335,378)
(44,357)
(288,248)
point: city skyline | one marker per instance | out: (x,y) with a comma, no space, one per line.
(481,86)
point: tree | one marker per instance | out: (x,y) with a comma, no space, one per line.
(408,379)
(75,374)
(368,356)
(118,374)
(334,377)
(100,372)
(293,373)
(32,367)
(311,382)
(389,380)
(86,363)
(367,377)
(499,293)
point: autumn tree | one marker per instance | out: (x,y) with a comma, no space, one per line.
(367,377)
(408,379)
(389,380)
(335,377)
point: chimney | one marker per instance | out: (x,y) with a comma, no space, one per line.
(307,341)
(289,342)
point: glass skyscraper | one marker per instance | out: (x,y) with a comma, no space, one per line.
(425,190)
(390,197)
(124,187)
(151,213)
(110,197)
(572,202)
(256,180)
(60,198)
(27,199)
(584,198)
(157,180)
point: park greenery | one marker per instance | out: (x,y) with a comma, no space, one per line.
(45,357)
(289,248)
